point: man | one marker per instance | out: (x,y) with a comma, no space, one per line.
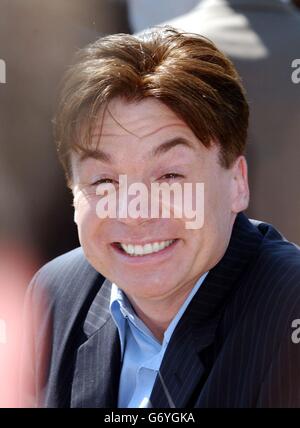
(152,311)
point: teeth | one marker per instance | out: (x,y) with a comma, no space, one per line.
(142,250)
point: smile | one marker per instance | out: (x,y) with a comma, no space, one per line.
(143,250)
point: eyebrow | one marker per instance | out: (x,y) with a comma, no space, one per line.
(99,154)
(95,154)
(170,144)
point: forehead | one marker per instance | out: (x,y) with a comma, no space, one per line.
(139,119)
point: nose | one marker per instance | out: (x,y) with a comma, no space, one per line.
(133,203)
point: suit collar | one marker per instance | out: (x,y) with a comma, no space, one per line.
(97,369)
(99,312)
(98,360)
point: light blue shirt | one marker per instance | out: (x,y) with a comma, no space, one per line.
(141,352)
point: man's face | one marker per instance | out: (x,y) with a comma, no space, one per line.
(135,141)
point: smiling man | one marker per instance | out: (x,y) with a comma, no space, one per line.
(148,312)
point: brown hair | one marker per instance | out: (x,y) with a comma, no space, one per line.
(184,71)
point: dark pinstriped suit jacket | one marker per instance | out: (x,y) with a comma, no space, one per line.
(231,348)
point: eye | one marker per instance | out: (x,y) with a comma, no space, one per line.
(171,176)
(102,180)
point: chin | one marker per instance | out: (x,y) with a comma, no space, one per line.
(149,287)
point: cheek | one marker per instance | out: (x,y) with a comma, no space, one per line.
(217,195)
(218,216)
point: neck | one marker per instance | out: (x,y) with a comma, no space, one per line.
(157,314)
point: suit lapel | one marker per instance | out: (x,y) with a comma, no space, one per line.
(183,371)
(97,368)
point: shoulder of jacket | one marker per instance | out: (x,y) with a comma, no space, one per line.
(67,277)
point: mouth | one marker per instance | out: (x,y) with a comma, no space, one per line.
(141,251)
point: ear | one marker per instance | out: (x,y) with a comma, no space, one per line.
(240,187)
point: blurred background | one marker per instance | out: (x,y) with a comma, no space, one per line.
(38,39)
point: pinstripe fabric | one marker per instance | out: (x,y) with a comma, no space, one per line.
(231,348)
(69,337)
